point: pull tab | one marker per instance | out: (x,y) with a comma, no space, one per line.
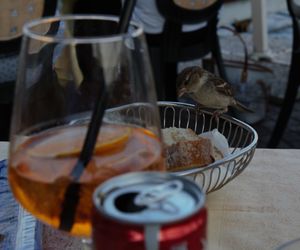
(158,193)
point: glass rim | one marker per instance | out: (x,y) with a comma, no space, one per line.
(28,32)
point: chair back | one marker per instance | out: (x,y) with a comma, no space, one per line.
(180,43)
(184,13)
(184,46)
(293,82)
(111,7)
(294,10)
(13,15)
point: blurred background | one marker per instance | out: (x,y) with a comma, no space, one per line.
(265,32)
(276,59)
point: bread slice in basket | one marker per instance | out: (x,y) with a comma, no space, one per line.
(185,149)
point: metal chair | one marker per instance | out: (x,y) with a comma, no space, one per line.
(175,46)
(293,78)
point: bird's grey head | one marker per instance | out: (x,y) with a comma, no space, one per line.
(188,80)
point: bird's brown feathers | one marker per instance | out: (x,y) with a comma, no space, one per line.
(221,86)
(207,89)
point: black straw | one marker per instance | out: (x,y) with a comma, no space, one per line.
(72,194)
(126,16)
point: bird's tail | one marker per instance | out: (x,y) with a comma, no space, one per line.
(242,107)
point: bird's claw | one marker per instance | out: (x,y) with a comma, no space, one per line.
(199,108)
(216,114)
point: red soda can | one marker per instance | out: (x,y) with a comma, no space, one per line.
(150,211)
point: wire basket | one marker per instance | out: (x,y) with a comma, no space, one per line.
(241,137)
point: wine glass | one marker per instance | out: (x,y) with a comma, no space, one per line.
(66,64)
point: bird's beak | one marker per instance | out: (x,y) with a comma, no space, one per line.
(181,92)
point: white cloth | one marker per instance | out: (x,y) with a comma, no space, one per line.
(147,14)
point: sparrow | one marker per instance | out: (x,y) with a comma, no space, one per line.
(207,90)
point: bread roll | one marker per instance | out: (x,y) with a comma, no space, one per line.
(173,135)
(185,149)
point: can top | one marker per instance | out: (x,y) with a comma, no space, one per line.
(148,198)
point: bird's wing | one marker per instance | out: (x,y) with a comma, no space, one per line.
(222,87)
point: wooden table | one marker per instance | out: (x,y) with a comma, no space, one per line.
(260,209)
